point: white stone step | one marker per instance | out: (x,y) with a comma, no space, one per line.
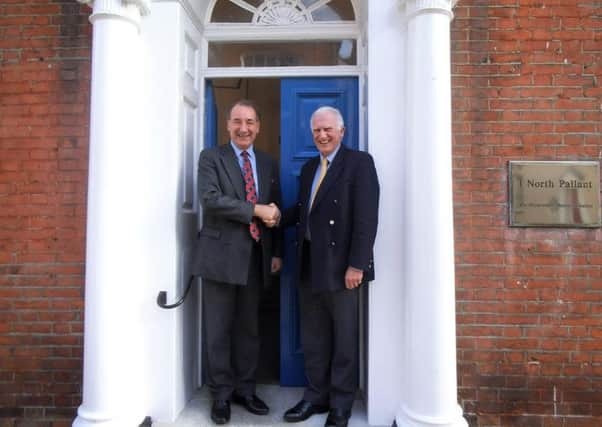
(279,399)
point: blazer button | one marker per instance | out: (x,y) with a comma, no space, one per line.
(335,201)
(296,243)
(331,222)
(331,243)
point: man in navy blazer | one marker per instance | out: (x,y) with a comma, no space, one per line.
(336,218)
(237,250)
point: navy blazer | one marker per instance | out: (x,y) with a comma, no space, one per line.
(343,219)
(224,244)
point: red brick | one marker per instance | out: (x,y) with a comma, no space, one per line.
(42,333)
(550,104)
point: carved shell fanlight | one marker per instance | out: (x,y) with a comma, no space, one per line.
(282,12)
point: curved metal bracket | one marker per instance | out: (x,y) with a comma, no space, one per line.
(162,297)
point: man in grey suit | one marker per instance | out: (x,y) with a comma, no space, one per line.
(238,250)
(336,218)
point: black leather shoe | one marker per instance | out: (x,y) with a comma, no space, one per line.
(337,418)
(303,410)
(220,411)
(251,403)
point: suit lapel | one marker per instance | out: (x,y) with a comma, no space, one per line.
(232,168)
(334,170)
(306,180)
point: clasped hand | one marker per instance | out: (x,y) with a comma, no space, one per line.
(269,214)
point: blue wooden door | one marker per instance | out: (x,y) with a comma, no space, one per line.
(299,98)
(210,140)
(210,116)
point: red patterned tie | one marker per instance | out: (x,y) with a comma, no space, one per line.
(247,171)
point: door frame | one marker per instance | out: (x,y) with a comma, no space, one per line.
(232,32)
(280,73)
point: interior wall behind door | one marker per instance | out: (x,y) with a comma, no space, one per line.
(264,92)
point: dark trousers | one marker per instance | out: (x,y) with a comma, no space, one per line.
(231,319)
(329,335)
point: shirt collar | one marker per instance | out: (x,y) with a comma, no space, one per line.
(332,155)
(237,150)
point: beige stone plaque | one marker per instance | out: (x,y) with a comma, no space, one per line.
(554,193)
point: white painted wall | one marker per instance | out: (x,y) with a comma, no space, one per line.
(386,139)
(170,335)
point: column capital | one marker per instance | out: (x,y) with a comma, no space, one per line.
(416,7)
(130,10)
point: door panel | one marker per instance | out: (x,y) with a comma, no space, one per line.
(300,97)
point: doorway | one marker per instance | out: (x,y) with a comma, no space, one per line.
(285,105)
(266,93)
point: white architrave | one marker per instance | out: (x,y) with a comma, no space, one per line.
(429,396)
(113,390)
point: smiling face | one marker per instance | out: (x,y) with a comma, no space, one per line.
(243,126)
(327,132)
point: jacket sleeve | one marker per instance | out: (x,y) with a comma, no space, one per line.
(292,214)
(365,213)
(212,195)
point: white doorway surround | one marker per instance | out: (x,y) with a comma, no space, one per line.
(148,69)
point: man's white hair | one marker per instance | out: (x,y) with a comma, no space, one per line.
(328,109)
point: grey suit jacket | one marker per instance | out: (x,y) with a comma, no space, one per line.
(224,244)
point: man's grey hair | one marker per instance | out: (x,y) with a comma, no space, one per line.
(328,109)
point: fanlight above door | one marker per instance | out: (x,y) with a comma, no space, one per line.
(282,12)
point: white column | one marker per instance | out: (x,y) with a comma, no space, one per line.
(113,390)
(429,395)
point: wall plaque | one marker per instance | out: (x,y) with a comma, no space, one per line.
(554,193)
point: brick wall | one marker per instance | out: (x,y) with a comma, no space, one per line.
(526,86)
(44,109)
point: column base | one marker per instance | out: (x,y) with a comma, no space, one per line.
(407,418)
(96,419)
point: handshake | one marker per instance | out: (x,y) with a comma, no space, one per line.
(269,214)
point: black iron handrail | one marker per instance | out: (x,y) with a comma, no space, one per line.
(162,297)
